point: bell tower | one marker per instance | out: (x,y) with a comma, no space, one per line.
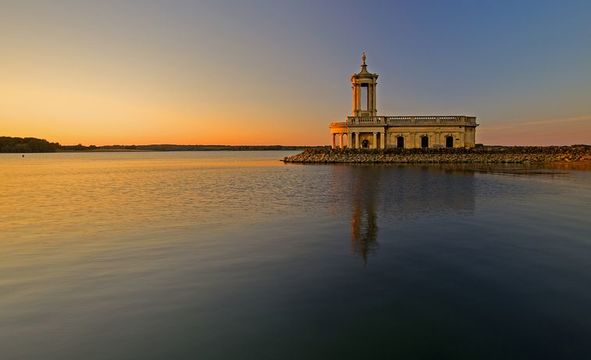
(364,86)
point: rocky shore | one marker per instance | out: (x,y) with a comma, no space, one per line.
(479,155)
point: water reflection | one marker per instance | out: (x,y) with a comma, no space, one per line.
(364,219)
(522,169)
(392,194)
(208,254)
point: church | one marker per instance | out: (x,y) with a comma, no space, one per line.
(364,129)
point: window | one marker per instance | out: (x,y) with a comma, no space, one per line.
(424,141)
(449,141)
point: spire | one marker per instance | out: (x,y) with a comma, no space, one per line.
(363,64)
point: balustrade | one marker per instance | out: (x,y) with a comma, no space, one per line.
(411,120)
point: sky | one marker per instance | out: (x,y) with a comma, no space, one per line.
(278,72)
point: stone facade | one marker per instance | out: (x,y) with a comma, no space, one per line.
(365,129)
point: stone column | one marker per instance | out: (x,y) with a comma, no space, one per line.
(341,140)
(349,140)
(374,98)
(375,140)
(357,99)
(370,99)
(383,138)
(333,141)
(354,100)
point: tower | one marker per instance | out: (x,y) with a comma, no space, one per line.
(364,91)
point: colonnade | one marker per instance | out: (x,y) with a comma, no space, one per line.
(340,143)
(378,140)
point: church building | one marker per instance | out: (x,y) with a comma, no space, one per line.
(366,130)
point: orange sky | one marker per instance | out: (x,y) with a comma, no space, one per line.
(219,73)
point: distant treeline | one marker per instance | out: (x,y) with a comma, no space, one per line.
(26,145)
(171,147)
(29,145)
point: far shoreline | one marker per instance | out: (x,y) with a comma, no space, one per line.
(17,145)
(192,150)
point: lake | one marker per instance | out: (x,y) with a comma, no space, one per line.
(235,255)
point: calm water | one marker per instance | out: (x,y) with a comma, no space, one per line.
(234,255)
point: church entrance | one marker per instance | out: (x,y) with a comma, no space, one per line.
(424,141)
(449,141)
(365,144)
(400,142)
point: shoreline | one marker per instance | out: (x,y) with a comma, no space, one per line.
(19,145)
(481,155)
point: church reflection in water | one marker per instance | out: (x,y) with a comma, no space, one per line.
(364,219)
(384,196)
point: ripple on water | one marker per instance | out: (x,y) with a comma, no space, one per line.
(218,254)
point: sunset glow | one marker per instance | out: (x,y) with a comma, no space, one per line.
(213,72)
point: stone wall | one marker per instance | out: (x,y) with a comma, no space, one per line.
(412,136)
(484,155)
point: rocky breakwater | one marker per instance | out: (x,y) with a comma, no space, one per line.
(480,155)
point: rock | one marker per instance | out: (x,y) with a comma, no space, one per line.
(485,154)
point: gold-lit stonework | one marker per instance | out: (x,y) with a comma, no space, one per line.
(365,129)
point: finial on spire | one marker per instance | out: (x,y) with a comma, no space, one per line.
(363,57)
